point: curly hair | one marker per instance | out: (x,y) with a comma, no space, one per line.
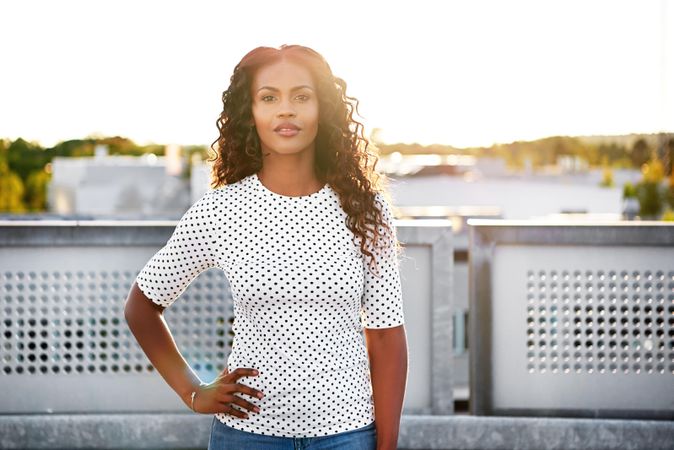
(342,160)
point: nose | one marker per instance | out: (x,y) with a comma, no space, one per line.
(285,109)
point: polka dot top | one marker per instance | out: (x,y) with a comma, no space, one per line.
(302,295)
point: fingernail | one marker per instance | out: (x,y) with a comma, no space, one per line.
(256,409)
(259,395)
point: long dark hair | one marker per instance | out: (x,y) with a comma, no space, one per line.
(342,158)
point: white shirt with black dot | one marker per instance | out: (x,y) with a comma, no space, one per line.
(302,295)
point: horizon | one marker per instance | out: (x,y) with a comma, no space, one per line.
(597,136)
(539,70)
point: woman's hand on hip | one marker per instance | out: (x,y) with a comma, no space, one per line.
(220,395)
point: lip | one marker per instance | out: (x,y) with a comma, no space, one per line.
(287,126)
(287,132)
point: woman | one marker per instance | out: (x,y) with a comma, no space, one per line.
(308,245)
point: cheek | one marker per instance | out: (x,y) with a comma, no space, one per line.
(260,113)
(257,116)
(313,113)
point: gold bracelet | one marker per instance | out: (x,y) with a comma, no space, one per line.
(194,393)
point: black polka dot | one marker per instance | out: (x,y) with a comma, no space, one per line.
(302,296)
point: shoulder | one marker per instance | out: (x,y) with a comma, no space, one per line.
(383,203)
(380,199)
(226,194)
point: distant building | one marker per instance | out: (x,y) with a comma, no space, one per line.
(487,166)
(425,164)
(119,186)
(200,178)
(572,163)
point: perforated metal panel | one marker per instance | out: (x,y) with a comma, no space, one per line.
(66,346)
(572,320)
(600,321)
(64,330)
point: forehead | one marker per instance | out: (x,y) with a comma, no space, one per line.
(282,75)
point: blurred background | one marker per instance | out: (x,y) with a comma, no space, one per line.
(514,109)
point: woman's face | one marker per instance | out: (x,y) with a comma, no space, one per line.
(284,93)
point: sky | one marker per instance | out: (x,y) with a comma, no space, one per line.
(461,73)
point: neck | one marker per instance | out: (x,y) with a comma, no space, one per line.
(291,181)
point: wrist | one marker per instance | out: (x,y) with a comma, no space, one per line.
(193,395)
(387,446)
(190,396)
(387,442)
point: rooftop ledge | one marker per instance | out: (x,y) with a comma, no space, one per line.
(191,431)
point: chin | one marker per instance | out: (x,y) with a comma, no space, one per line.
(287,150)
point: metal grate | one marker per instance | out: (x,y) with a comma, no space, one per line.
(600,321)
(72,322)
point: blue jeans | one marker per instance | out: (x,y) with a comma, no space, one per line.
(224,437)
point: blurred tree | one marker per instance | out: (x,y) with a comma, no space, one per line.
(24,157)
(670,151)
(640,153)
(649,191)
(669,195)
(607,174)
(653,171)
(616,153)
(629,190)
(11,190)
(36,190)
(3,150)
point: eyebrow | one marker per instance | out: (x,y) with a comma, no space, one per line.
(293,89)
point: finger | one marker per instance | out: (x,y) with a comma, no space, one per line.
(243,372)
(238,387)
(234,399)
(234,412)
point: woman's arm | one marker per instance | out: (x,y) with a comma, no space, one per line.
(146,321)
(387,350)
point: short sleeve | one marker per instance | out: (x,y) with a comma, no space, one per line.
(382,302)
(186,254)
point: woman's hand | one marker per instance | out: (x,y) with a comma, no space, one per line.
(219,396)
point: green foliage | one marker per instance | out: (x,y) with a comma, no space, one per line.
(607,174)
(540,152)
(668,215)
(25,157)
(629,190)
(36,190)
(616,155)
(11,190)
(650,192)
(650,199)
(656,198)
(653,171)
(23,178)
(669,195)
(607,178)
(640,152)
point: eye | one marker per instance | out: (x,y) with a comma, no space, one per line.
(306,97)
(266,96)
